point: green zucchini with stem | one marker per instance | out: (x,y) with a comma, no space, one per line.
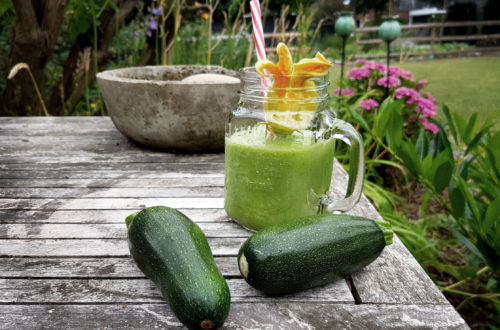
(311,251)
(173,252)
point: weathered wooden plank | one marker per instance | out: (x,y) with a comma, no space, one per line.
(84,144)
(91,149)
(99,216)
(103,132)
(396,277)
(89,267)
(63,144)
(17,137)
(87,154)
(138,192)
(109,149)
(243,315)
(193,170)
(108,203)
(55,122)
(175,160)
(112,149)
(113,230)
(143,291)
(94,247)
(59,126)
(118,182)
(77,156)
(70,131)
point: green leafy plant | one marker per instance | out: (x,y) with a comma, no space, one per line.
(458,167)
(468,169)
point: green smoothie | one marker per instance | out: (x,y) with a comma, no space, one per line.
(271,179)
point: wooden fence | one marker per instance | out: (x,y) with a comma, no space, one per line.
(437,36)
(287,37)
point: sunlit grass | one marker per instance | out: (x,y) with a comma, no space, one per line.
(466,85)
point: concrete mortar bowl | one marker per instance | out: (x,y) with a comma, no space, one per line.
(152,106)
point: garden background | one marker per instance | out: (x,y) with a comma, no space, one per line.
(432,156)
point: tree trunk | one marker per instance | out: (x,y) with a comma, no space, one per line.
(35,32)
(71,87)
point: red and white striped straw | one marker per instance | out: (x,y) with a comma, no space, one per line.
(258,31)
(258,34)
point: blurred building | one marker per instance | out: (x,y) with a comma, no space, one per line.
(419,11)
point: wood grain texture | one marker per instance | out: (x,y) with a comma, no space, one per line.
(95,247)
(173,182)
(396,277)
(99,216)
(189,171)
(17,137)
(57,126)
(121,291)
(66,185)
(111,192)
(107,203)
(244,315)
(89,267)
(79,156)
(106,231)
(166,164)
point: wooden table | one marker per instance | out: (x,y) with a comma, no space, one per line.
(66,186)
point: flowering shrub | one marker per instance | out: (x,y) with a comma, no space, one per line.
(157,14)
(368,104)
(365,87)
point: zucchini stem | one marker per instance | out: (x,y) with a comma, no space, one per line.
(386,230)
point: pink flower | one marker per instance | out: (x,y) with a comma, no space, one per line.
(412,96)
(412,119)
(428,96)
(345,92)
(375,66)
(393,81)
(426,107)
(405,75)
(393,70)
(404,91)
(421,84)
(426,112)
(368,104)
(358,73)
(362,61)
(380,66)
(429,126)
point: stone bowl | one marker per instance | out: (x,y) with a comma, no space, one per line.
(151,105)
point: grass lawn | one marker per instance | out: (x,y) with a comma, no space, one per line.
(466,85)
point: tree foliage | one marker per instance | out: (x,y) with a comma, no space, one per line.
(365,6)
(79,35)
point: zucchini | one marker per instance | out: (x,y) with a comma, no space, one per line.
(310,251)
(173,252)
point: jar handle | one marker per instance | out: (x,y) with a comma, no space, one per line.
(341,130)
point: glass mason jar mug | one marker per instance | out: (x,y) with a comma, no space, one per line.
(279,153)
